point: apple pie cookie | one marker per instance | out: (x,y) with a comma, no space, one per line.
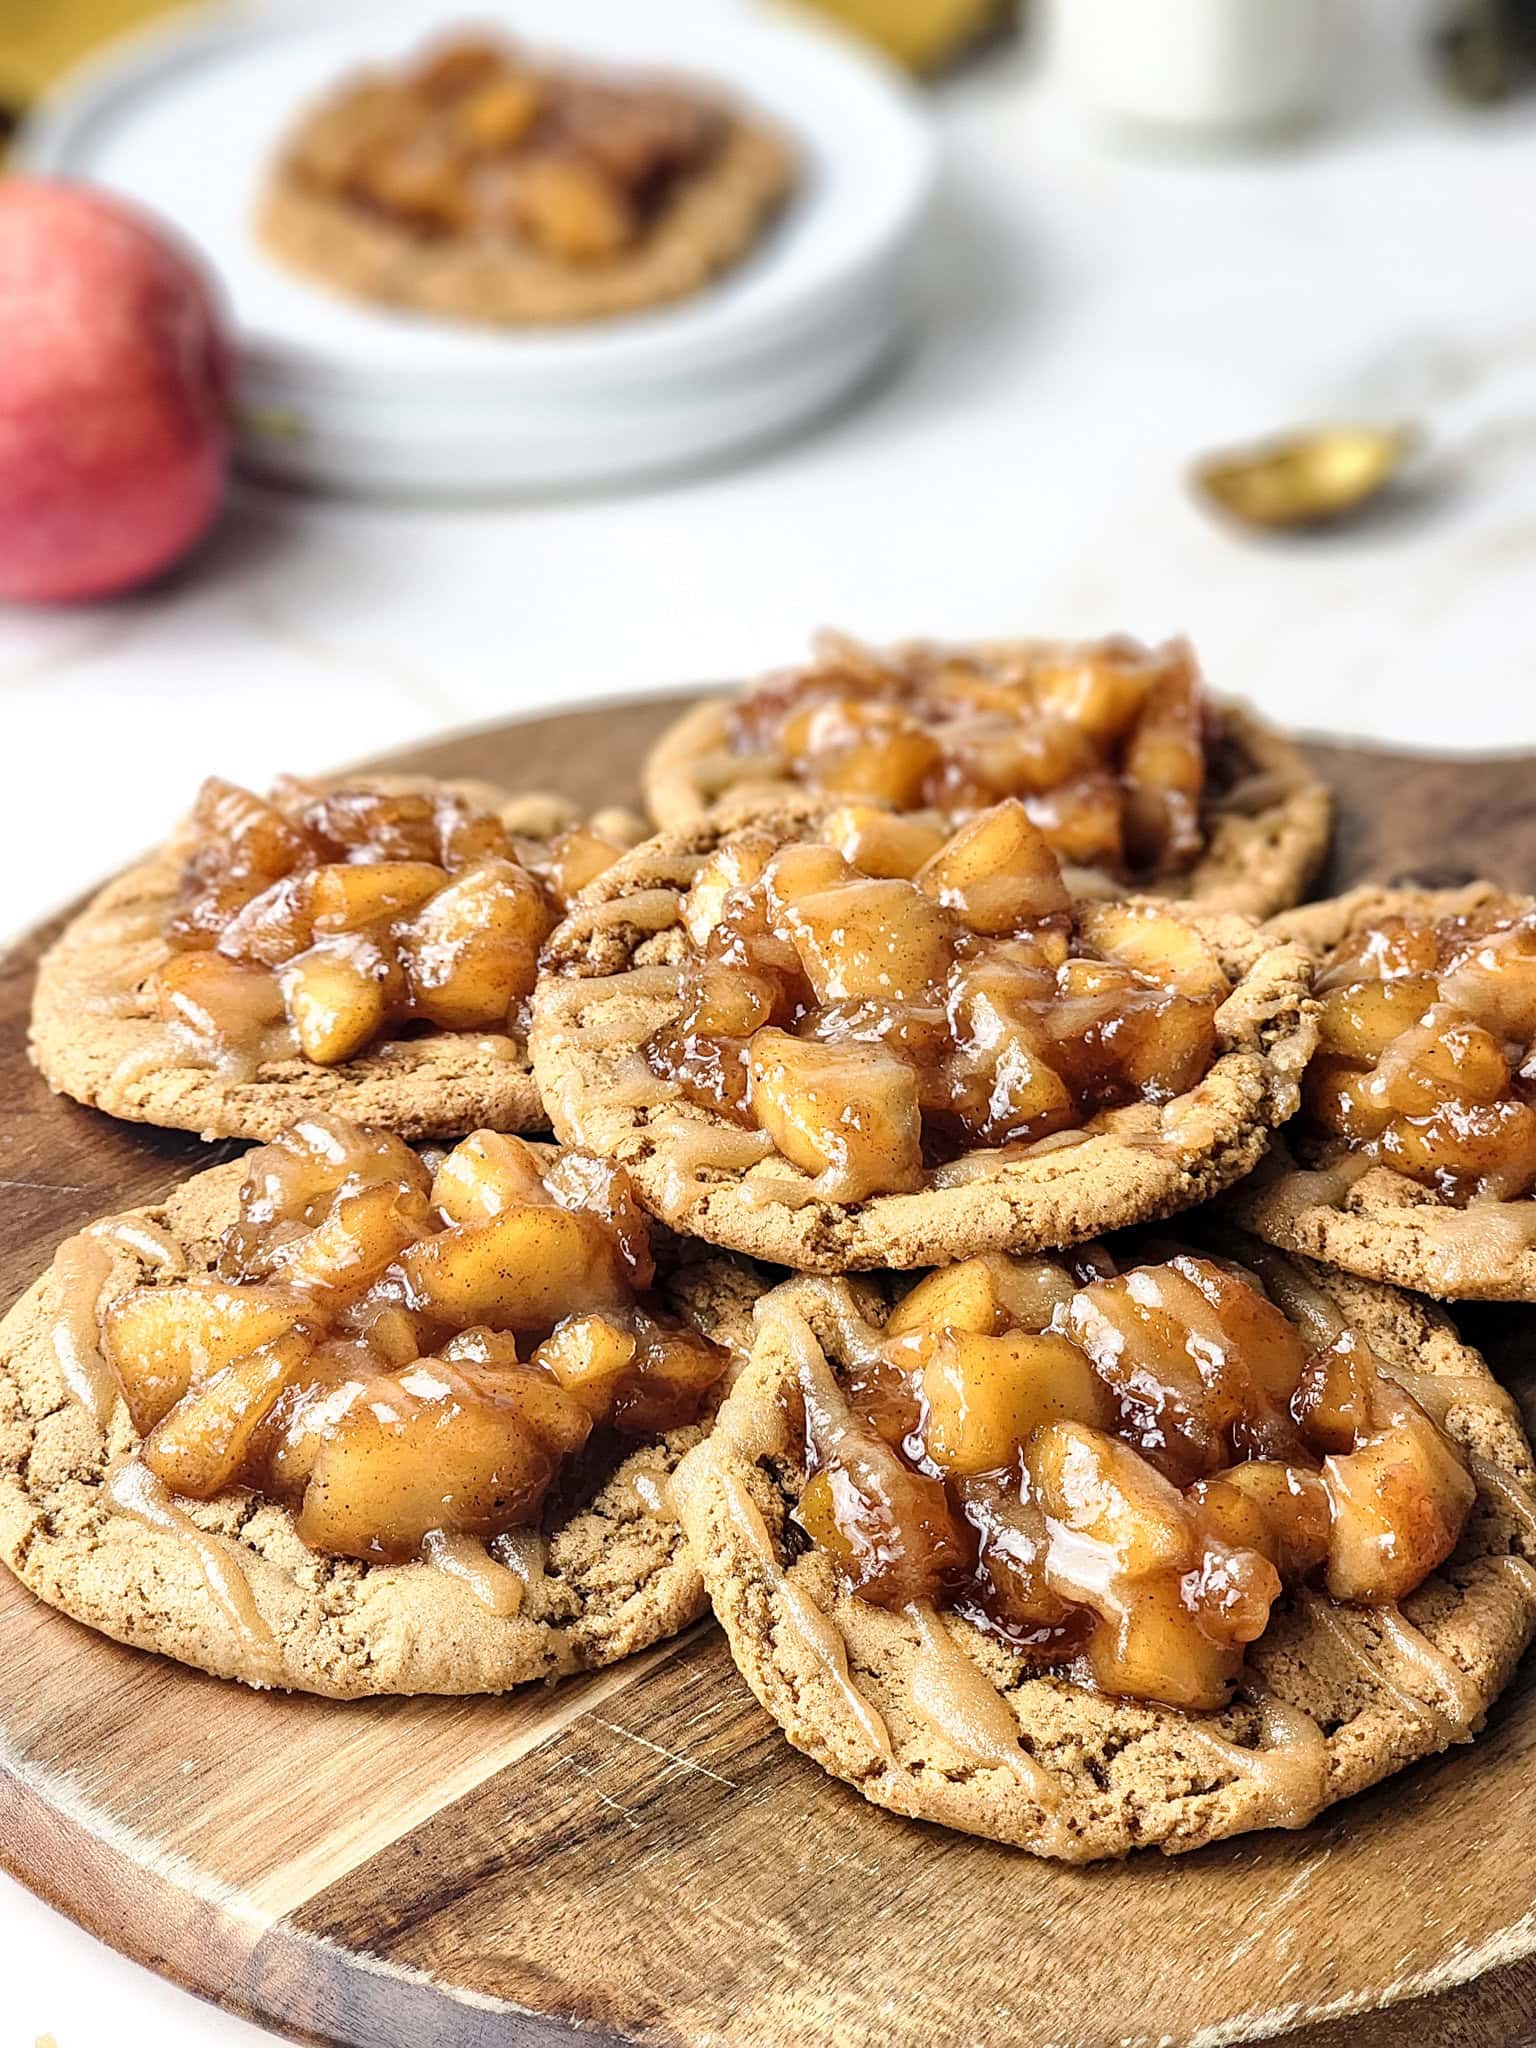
(1099,1552)
(359,947)
(344,1418)
(1137,778)
(482,184)
(1414,1157)
(836,1039)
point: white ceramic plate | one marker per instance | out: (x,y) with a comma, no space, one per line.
(184,120)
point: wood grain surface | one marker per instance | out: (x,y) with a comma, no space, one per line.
(638,1857)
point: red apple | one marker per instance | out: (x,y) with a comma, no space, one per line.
(114,394)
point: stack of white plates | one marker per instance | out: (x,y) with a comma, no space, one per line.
(335,392)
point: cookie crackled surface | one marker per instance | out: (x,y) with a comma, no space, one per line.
(840,1040)
(357,946)
(336,1418)
(1414,1158)
(964,1571)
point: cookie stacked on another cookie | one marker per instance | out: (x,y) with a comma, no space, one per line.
(916,1202)
(1136,775)
(1415,1158)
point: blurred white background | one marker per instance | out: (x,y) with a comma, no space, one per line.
(1092,318)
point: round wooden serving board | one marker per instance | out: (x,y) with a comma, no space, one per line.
(638,1857)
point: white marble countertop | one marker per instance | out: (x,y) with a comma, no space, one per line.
(1090,319)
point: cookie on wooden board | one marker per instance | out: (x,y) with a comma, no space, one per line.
(1381,1207)
(1263,820)
(227,1585)
(613,982)
(103,1032)
(927,1713)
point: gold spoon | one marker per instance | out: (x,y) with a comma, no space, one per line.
(1313,477)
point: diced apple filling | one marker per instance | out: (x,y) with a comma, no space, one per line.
(882,997)
(474,137)
(1426,1057)
(391,1351)
(344,913)
(1121,1474)
(1102,744)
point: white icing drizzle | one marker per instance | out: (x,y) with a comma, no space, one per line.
(647,910)
(498,1045)
(1420,1655)
(563,995)
(1471,1248)
(1510,1493)
(968,1710)
(857,1340)
(721,770)
(1323,1188)
(1522,1571)
(160,1049)
(133,924)
(131,1489)
(523,1551)
(971,1166)
(81,1266)
(1435,1667)
(636,1087)
(1138,1123)
(1437,1393)
(174,1044)
(953,1693)
(1289,1772)
(156,1247)
(465,1558)
(678,870)
(692,1149)
(768,1192)
(1294,1294)
(1474,1247)
(816,1630)
(652,1496)
(1260,790)
(123,1002)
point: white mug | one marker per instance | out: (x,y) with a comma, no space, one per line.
(1208,66)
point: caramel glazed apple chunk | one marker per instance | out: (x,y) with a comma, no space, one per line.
(1426,1058)
(1105,746)
(406,1351)
(894,1012)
